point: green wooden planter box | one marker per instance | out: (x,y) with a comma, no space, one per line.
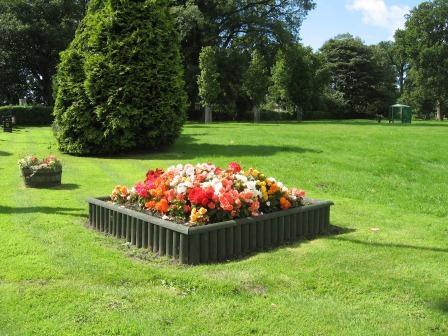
(41,178)
(213,242)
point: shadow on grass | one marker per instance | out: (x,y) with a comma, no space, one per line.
(442,305)
(374,122)
(235,124)
(400,246)
(186,148)
(64,186)
(2,153)
(149,256)
(43,210)
(332,231)
(19,130)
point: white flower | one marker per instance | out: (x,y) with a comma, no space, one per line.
(241,178)
(268,203)
(252,186)
(176,180)
(217,187)
(182,187)
(189,170)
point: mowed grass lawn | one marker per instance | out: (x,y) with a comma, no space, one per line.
(58,277)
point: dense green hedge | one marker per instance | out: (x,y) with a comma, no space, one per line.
(29,115)
(119,85)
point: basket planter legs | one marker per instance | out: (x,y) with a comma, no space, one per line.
(213,242)
(41,178)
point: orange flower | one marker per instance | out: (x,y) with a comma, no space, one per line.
(123,191)
(273,189)
(150,204)
(284,203)
(162,206)
(158,192)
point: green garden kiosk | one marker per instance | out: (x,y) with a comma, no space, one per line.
(401,113)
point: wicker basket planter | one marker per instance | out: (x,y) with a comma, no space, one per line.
(41,178)
(213,242)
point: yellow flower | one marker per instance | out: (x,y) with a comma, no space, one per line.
(197,216)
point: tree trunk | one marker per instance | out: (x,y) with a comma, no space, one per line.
(256,111)
(439,109)
(208,115)
(401,78)
(47,89)
(299,113)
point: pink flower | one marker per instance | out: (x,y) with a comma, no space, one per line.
(230,200)
(225,201)
(142,191)
(254,206)
(170,195)
(235,167)
(246,196)
(226,185)
(298,193)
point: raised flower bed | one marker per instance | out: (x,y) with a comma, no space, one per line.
(199,214)
(41,173)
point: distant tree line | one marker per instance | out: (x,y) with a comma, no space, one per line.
(243,59)
(422,49)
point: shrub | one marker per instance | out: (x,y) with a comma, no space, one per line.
(29,115)
(119,85)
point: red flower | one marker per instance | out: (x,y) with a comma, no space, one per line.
(152,176)
(235,167)
(200,196)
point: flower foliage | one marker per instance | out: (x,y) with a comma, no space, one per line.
(33,163)
(203,194)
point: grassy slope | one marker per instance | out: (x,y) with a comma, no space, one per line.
(58,277)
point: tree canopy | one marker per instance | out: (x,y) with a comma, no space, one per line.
(357,72)
(256,81)
(32,33)
(243,25)
(208,80)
